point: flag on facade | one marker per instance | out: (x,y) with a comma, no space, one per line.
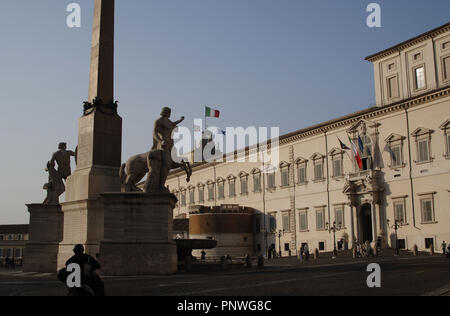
(360,143)
(356,153)
(343,146)
(209,112)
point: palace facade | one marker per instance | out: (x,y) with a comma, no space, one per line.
(318,188)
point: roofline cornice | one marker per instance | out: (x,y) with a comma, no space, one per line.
(409,43)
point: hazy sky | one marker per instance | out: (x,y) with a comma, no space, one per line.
(287,63)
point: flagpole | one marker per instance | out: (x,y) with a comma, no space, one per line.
(351,160)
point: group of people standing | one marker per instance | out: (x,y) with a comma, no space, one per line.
(364,250)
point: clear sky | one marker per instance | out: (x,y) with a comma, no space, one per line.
(286,63)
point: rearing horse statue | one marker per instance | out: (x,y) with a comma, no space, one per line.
(157,162)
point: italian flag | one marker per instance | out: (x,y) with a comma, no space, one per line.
(356,154)
(211,112)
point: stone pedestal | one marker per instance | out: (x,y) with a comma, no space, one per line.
(83,224)
(138,234)
(46,231)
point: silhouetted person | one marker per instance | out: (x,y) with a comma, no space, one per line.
(90,277)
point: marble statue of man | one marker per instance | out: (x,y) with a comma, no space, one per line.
(163,142)
(62,158)
(55,186)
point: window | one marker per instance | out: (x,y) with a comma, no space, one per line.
(10,237)
(301,174)
(1,253)
(8,253)
(183,198)
(232,187)
(447,138)
(423,150)
(402,244)
(257,181)
(318,171)
(446,62)
(191,196)
(221,189)
(286,222)
(399,212)
(321,246)
(419,78)
(271,181)
(18,253)
(366,154)
(201,194)
(20,237)
(211,192)
(396,156)
(272,222)
(427,210)
(320,219)
(2,237)
(244,185)
(392,84)
(303,221)
(285,177)
(423,144)
(339,217)
(337,168)
(287,247)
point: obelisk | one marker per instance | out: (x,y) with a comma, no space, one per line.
(99,144)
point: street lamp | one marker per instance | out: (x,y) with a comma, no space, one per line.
(334,229)
(280,233)
(396,226)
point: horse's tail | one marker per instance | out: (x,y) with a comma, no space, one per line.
(122,173)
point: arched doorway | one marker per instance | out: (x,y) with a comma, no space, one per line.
(366,222)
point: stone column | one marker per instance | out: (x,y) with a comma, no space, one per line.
(352,228)
(374,221)
(41,250)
